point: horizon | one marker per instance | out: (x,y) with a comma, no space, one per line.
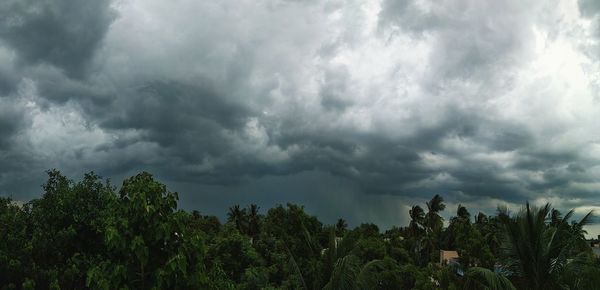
(220,211)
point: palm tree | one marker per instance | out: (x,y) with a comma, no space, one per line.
(345,269)
(433,226)
(432,219)
(416,231)
(463,213)
(482,278)
(237,216)
(417,217)
(196,215)
(349,274)
(536,251)
(253,220)
(481,219)
(555,217)
(340,227)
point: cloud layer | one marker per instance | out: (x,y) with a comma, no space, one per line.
(370,105)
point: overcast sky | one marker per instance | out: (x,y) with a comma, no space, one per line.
(356,109)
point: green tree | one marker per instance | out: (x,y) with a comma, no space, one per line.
(417,220)
(292,234)
(253,221)
(233,252)
(433,220)
(15,244)
(434,224)
(485,279)
(66,229)
(149,245)
(238,217)
(465,238)
(538,252)
(340,227)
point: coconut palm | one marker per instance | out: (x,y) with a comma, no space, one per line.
(417,217)
(481,219)
(345,269)
(237,216)
(253,220)
(340,227)
(432,219)
(555,217)
(463,213)
(537,252)
(349,274)
(481,278)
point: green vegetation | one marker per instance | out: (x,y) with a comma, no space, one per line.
(86,234)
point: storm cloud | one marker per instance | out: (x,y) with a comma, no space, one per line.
(355,108)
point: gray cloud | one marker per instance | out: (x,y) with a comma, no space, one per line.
(335,89)
(471,41)
(11,122)
(589,7)
(63,33)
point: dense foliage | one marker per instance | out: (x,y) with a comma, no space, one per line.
(86,234)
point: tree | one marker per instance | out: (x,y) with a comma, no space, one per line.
(349,273)
(481,219)
(433,226)
(15,244)
(417,219)
(433,220)
(253,220)
(485,279)
(538,252)
(209,225)
(233,253)
(238,217)
(86,234)
(355,263)
(295,232)
(148,244)
(66,229)
(463,213)
(340,227)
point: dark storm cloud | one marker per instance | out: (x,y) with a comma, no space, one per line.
(64,33)
(46,48)
(7,82)
(11,122)
(188,123)
(384,166)
(164,107)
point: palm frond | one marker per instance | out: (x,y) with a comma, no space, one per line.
(568,216)
(296,268)
(365,276)
(586,219)
(345,273)
(482,278)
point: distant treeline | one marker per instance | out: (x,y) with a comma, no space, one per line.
(86,234)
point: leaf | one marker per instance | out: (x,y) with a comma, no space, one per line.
(482,278)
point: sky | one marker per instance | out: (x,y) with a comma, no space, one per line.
(354,108)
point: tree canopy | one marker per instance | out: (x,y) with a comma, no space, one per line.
(86,234)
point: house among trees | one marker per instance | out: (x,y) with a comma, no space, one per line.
(448,257)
